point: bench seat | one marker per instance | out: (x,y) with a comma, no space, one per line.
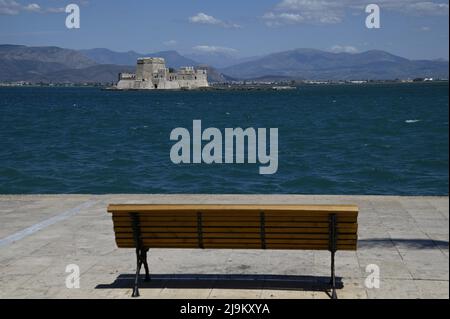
(298,227)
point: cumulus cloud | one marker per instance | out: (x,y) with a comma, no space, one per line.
(203,18)
(33,7)
(214,49)
(12,7)
(334,11)
(344,49)
(9,7)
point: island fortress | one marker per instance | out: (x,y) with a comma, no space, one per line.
(152,74)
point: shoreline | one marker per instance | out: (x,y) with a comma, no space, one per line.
(234,87)
(374,196)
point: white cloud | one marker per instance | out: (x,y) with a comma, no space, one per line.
(344,49)
(203,18)
(276,19)
(428,8)
(305,11)
(33,7)
(9,7)
(12,7)
(214,49)
(170,43)
(425,28)
(273,19)
(56,10)
(334,11)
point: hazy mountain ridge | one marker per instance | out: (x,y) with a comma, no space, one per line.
(66,57)
(321,65)
(102,73)
(53,64)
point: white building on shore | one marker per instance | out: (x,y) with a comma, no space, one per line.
(152,74)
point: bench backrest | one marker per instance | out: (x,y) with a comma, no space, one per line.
(235,226)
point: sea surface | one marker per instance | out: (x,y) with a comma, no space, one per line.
(333,139)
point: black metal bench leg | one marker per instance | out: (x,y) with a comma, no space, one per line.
(144,260)
(138,270)
(332,247)
(333,278)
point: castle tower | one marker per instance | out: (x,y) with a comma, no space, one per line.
(147,67)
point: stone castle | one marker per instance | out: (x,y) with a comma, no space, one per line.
(152,74)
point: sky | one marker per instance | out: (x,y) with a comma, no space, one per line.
(416,29)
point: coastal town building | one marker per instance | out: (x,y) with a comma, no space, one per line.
(152,74)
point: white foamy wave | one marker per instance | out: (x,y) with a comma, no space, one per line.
(412,121)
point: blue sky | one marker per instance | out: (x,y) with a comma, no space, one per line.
(416,29)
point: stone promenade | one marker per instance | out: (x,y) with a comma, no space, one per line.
(406,237)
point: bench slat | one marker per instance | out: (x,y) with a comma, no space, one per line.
(126,208)
(233,235)
(235,230)
(235,240)
(206,224)
(236,213)
(285,230)
(318,219)
(243,246)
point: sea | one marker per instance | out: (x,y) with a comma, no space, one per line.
(390,139)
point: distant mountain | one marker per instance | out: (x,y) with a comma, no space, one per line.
(26,70)
(105,56)
(218,59)
(322,65)
(65,57)
(22,63)
(47,72)
(102,73)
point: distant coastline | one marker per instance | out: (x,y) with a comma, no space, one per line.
(250,85)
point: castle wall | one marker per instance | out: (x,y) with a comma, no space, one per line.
(126,84)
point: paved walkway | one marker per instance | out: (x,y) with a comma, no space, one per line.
(406,237)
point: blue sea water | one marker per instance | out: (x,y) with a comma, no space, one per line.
(342,139)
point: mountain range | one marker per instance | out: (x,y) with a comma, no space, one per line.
(54,64)
(321,65)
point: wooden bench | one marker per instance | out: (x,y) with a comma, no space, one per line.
(299,227)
